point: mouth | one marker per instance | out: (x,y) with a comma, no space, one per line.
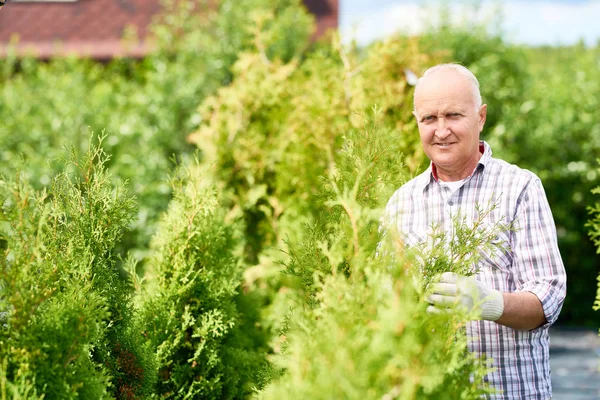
(444,145)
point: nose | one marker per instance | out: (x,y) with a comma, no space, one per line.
(442,130)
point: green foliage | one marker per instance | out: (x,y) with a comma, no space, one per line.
(66,307)
(367,171)
(186,26)
(19,389)
(146,107)
(557,135)
(469,243)
(363,341)
(268,140)
(188,309)
(304,144)
(362,331)
(593,225)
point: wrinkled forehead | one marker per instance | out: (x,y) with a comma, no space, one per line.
(443,105)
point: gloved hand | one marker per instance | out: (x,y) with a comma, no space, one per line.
(455,289)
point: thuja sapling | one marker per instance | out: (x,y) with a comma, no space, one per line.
(268,141)
(67,329)
(362,331)
(593,223)
(461,249)
(188,306)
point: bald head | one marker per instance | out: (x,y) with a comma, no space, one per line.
(444,74)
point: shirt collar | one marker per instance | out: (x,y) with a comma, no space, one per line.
(430,175)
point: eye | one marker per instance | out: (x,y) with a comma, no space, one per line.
(453,115)
(428,118)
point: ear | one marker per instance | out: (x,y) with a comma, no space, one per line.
(414,112)
(482,116)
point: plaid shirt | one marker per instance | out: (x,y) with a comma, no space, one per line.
(531,264)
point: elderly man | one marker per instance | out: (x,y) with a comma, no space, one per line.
(517,296)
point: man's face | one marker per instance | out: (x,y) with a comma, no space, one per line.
(449,123)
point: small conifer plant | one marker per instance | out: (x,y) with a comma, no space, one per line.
(65,304)
(190,303)
(362,331)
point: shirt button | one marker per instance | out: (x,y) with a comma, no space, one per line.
(450,203)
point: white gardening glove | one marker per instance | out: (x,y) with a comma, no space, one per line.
(455,289)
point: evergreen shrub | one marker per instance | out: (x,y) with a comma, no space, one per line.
(296,166)
(273,133)
(361,330)
(190,304)
(66,307)
(267,142)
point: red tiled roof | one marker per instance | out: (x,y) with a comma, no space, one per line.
(90,27)
(95,28)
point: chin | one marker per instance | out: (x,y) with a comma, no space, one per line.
(442,160)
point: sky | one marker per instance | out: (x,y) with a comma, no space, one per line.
(533,22)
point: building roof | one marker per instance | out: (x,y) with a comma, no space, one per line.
(326,13)
(95,28)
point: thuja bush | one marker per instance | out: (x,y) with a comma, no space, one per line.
(273,133)
(270,137)
(50,319)
(361,330)
(190,304)
(370,166)
(594,223)
(369,339)
(66,307)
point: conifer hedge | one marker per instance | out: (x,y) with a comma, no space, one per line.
(189,310)
(67,311)
(271,135)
